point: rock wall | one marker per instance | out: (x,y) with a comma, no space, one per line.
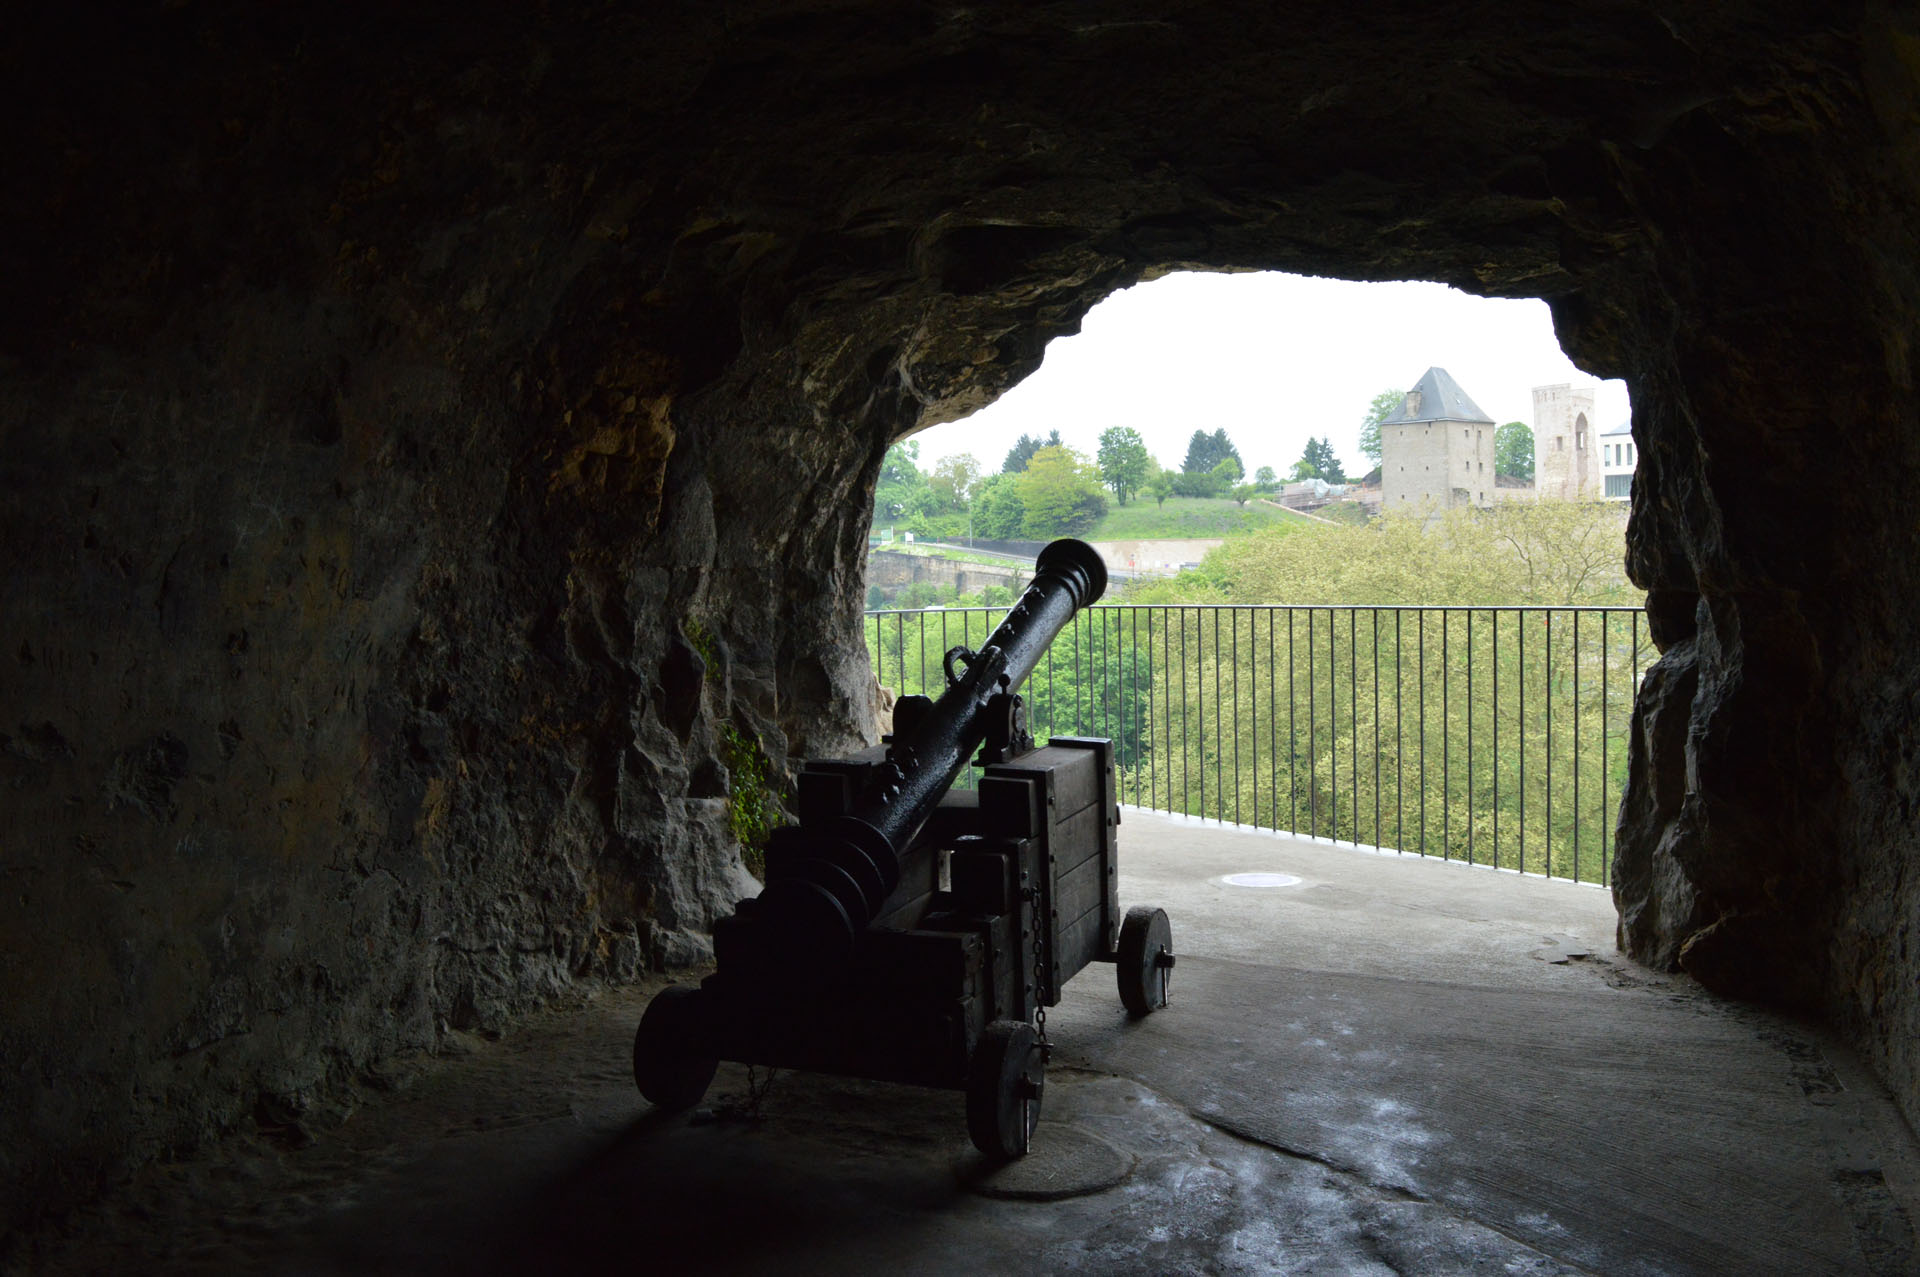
(436,447)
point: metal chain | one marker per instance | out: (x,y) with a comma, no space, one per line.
(1039,978)
(757,1091)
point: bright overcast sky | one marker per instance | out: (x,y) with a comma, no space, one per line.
(1274,359)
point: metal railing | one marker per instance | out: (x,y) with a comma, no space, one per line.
(1494,735)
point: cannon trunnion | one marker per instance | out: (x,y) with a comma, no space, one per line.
(923,945)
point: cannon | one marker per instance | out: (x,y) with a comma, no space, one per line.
(913,932)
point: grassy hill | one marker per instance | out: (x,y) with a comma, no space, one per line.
(1183,517)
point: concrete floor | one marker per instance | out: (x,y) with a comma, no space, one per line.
(1388,1065)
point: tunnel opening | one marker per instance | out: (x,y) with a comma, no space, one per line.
(420,511)
(1335,666)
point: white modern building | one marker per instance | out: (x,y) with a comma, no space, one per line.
(1617,461)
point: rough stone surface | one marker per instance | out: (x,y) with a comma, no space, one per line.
(426,433)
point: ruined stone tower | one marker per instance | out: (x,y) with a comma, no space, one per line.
(1436,448)
(1566,453)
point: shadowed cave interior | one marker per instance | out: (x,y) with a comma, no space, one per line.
(433,441)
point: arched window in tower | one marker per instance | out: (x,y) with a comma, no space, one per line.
(1580,433)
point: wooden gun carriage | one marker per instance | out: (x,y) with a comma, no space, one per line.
(910,932)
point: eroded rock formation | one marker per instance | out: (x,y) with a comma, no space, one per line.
(435,444)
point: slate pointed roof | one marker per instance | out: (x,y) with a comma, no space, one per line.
(1436,397)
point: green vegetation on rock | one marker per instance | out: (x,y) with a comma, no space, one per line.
(753,810)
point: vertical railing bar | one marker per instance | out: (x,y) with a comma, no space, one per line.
(1333,727)
(1186,736)
(1133,650)
(1313,746)
(1546,844)
(1520,720)
(1422,640)
(1273,720)
(1293,738)
(1473,799)
(1376,728)
(1219,721)
(1078,682)
(1353,710)
(1446,736)
(1187,799)
(1253,705)
(1233,633)
(1606,772)
(1494,623)
(1399,737)
(1166,678)
(1150,724)
(1115,703)
(1577,716)
(1049,682)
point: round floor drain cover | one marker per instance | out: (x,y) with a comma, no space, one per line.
(1261,880)
(1065,1161)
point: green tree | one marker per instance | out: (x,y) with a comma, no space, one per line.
(998,511)
(954,479)
(1125,464)
(1325,463)
(1378,411)
(1245,493)
(1023,449)
(1208,483)
(1266,479)
(1317,461)
(1513,451)
(902,489)
(1205,451)
(1060,493)
(1229,471)
(1160,487)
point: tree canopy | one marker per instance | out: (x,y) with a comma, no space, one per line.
(998,511)
(1318,461)
(1125,463)
(1378,411)
(902,490)
(1060,494)
(1023,449)
(954,479)
(1206,451)
(1513,451)
(1527,552)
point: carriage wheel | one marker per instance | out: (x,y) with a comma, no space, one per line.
(670,1065)
(1005,1082)
(1144,961)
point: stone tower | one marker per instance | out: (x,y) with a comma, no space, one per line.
(1436,449)
(1565,451)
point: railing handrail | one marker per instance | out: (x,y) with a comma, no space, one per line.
(1295,607)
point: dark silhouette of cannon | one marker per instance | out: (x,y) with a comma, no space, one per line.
(910,932)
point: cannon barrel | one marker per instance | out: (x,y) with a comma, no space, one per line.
(821,898)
